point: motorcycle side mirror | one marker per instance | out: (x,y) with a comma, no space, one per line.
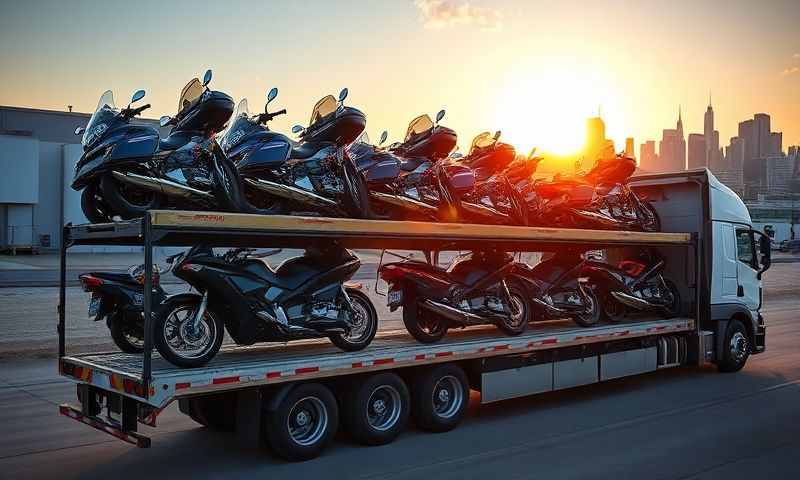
(440,116)
(165,120)
(79,130)
(272,94)
(497,135)
(533,152)
(297,129)
(343,94)
(207,77)
(138,95)
(384,136)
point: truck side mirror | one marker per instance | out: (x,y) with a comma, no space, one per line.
(765,250)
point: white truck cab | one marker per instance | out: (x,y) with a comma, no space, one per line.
(735,258)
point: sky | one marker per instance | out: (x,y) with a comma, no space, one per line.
(534,70)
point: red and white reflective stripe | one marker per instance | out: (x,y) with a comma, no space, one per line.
(138,440)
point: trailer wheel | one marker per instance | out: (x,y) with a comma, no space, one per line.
(304,422)
(440,397)
(217,412)
(736,348)
(377,409)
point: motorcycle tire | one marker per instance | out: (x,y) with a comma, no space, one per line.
(161,323)
(674,308)
(650,222)
(259,202)
(433,328)
(356,198)
(121,332)
(370,326)
(516,324)
(92,206)
(115,193)
(613,311)
(229,189)
(592,317)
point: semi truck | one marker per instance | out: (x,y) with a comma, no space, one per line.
(295,397)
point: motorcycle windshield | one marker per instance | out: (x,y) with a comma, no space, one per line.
(418,126)
(98,123)
(190,93)
(240,126)
(482,140)
(323,108)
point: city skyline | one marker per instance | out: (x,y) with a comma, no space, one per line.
(535,73)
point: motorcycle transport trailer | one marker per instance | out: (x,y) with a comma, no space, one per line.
(288,394)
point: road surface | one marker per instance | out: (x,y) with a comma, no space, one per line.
(674,424)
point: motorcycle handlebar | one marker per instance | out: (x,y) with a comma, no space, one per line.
(266,117)
(132,112)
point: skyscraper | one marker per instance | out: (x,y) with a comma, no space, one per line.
(713,157)
(648,160)
(672,148)
(697,151)
(629,148)
(596,143)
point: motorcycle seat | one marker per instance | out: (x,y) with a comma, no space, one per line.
(290,274)
(306,150)
(115,277)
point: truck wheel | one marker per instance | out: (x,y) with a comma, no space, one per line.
(303,424)
(377,409)
(735,349)
(516,323)
(440,397)
(365,324)
(217,412)
(425,327)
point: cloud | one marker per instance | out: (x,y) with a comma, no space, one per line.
(796,55)
(451,13)
(791,71)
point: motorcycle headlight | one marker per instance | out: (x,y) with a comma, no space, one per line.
(94,134)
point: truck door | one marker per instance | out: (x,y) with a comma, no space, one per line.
(747,268)
(725,280)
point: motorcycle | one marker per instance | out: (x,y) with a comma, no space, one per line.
(474,290)
(427,185)
(558,289)
(635,284)
(495,199)
(280,175)
(127,169)
(599,199)
(305,297)
(119,298)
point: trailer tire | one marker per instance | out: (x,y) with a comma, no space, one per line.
(217,412)
(376,408)
(440,396)
(303,423)
(736,348)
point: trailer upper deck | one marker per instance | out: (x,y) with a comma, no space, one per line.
(179,228)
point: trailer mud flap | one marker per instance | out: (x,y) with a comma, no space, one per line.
(106,426)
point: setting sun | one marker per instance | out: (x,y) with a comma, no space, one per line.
(546,106)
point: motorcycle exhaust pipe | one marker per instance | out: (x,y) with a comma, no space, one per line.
(455,315)
(550,308)
(291,193)
(160,185)
(404,202)
(632,301)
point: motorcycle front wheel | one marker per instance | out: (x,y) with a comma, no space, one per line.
(673,308)
(125,200)
(648,217)
(356,198)
(365,324)
(92,205)
(517,322)
(229,189)
(182,342)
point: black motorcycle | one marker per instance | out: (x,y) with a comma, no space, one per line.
(474,290)
(557,288)
(119,298)
(305,297)
(281,176)
(126,169)
(635,284)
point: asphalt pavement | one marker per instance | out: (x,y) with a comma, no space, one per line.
(673,424)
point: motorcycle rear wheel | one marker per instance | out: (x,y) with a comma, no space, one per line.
(126,201)
(426,328)
(356,198)
(592,316)
(127,337)
(674,308)
(651,221)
